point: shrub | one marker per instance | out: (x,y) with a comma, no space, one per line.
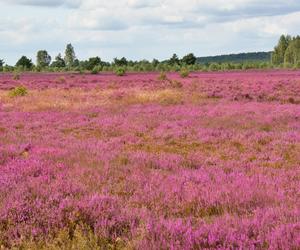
(96,70)
(184,72)
(120,71)
(214,67)
(162,76)
(18,91)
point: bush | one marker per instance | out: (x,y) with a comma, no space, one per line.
(120,71)
(96,69)
(184,72)
(214,67)
(18,91)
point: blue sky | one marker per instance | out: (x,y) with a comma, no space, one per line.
(143,29)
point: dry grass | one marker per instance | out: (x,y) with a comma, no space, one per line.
(74,99)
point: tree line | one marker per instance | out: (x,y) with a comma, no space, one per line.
(286,54)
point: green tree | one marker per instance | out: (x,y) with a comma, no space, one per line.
(59,62)
(93,62)
(120,62)
(43,59)
(292,54)
(279,51)
(174,60)
(25,63)
(1,65)
(154,62)
(70,55)
(189,59)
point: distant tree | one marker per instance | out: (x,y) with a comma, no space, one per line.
(43,59)
(93,62)
(59,62)
(292,53)
(189,59)
(1,65)
(279,51)
(120,62)
(70,55)
(24,62)
(174,60)
(154,62)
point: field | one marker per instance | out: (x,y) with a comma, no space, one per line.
(211,161)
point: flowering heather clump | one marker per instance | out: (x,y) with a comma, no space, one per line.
(102,162)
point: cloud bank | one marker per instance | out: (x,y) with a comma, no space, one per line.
(146,28)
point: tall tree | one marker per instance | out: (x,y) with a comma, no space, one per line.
(189,59)
(174,60)
(292,54)
(24,62)
(280,49)
(93,62)
(1,63)
(59,62)
(43,59)
(120,62)
(69,55)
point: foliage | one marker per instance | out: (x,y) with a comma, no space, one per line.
(96,70)
(24,63)
(18,91)
(69,55)
(236,58)
(174,60)
(1,64)
(43,59)
(120,71)
(59,62)
(184,72)
(120,62)
(189,59)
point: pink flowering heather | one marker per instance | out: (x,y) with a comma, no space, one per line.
(211,161)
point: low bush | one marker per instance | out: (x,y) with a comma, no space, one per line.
(18,91)
(120,71)
(184,72)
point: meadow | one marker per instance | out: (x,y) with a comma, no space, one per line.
(149,161)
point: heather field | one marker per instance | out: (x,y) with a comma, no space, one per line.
(211,161)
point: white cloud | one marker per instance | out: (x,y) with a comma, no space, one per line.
(145,28)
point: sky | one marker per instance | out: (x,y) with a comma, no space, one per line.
(143,29)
